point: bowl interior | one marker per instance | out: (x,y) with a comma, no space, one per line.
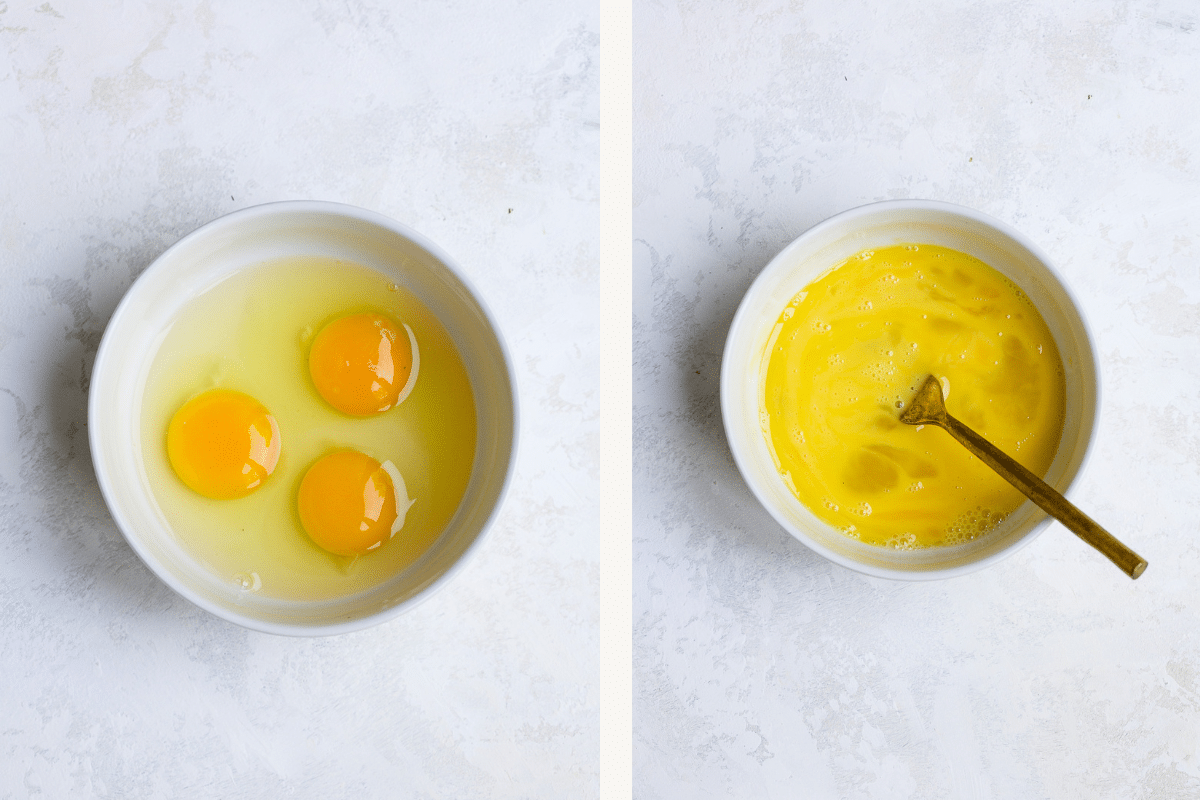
(202,259)
(828,244)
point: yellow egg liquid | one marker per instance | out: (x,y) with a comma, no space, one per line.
(250,333)
(852,348)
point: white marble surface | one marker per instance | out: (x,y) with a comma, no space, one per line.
(123,126)
(762,670)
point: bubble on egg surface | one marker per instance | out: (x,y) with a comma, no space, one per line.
(880,371)
(971,525)
(223,444)
(797,435)
(364,364)
(902,541)
(248,581)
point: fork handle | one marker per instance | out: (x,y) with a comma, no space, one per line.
(1047,498)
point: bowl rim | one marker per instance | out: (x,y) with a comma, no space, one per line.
(103,357)
(728,379)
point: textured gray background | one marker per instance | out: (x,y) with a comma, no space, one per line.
(760,669)
(123,126)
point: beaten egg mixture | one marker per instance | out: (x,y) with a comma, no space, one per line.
(851,348)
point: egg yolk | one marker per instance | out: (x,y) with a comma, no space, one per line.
(364,364)
(223,444)
(350,503)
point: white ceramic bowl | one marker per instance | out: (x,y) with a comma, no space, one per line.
(826,245)
(242,239)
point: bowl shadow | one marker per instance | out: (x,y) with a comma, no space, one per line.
(741,534)
(90,548)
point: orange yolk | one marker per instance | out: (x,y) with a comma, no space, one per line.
(364,364)
(350,503)
(223,444)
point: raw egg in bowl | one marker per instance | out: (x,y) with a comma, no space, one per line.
(836,334)
(303,417)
